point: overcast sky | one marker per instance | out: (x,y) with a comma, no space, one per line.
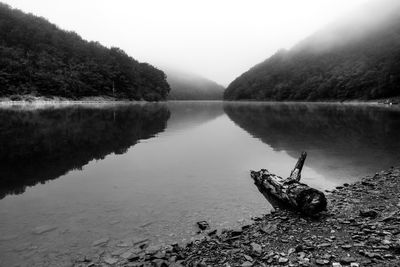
(218,39)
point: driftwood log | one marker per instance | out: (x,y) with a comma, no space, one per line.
(291,191)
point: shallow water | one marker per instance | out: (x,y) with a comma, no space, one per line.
(74,174)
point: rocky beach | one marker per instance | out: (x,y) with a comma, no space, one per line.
(361,227)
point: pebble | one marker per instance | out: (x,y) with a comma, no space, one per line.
(247,264)
(256,248)
(321,262)
(283,260)
(248,258)
(346,247)
(347,260)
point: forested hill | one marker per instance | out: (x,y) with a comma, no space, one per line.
(353,59)
(187,86)
(38,58)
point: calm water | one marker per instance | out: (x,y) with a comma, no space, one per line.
(150,171)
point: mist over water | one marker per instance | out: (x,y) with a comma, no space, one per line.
(134,172)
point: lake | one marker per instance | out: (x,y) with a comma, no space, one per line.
(129,173)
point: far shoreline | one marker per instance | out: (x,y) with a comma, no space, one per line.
(42,101)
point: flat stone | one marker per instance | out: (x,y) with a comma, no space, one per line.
(347,260)
(256,248)
(321,262)
(124,244)
(247,257)
(118,252)
(283,260)
(101,242)
(126,255)
(141,241)
(247,264)
(323,245)
(133,257)
(269,228)
(110,260)
(347,246)
(153,249)
(43,229)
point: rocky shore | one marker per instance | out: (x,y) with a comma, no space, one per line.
(360,228)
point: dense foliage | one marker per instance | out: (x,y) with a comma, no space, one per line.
(186,86)
(347,61)
(36,57)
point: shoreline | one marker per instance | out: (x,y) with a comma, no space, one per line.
(5,102)
(360,228)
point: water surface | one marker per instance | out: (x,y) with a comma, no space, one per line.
(150,171)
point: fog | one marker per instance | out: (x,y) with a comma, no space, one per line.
(373,16)
(216,39)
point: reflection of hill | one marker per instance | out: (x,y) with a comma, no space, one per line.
(341,139)
(39,145)
(187,114)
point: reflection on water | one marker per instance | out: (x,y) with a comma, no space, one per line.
(41,145)
(188,114)
(150,171)
(341,140)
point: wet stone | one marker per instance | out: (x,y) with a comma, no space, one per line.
(321,262)
(283,260)
(346,247)
(347,260)
(247,264)
(248,258)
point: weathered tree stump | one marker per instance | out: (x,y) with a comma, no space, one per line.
(290,191)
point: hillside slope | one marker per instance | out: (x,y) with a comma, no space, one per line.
(187,86)
(358,58)
(39,58)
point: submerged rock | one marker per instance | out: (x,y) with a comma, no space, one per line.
(110,260)
(43,229)
(203,225)
(101,242)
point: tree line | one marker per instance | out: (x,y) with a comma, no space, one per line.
(38,58)
(358,62)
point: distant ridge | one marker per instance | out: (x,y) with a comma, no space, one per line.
(187,86)
(40,59)
(357,58)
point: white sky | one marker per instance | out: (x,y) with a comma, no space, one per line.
(218,39)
